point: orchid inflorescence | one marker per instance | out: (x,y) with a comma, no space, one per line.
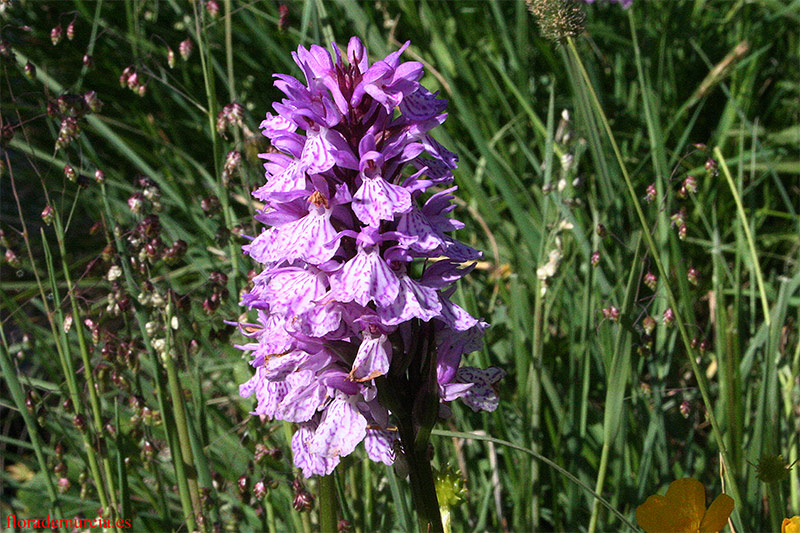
(354,319)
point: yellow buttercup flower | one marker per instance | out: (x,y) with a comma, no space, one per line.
(683,510)
(791,525)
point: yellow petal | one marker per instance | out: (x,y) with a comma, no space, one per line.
(656,515)
(791,525)
(688,497)
(717,515)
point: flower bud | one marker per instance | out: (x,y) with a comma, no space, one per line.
(692,276)
(55,35)
(611,313)
(30,70)
(63,485)
(185,49)
(170,58)
(47,215)
(123,79)
(217,278)
(67,405)
(595,259)
(602,232)
(210,205)
(71,30)
(88,61)
(260,490)
(99,176)
(669,317)
(135,203)
(69,172)
(690,184)
(79,422)
(222,123)
(212,7)
(283,19)
(30,401)
(93,102)
(12,258)
(685,408)
(243,484)
(232,162)
(148,451)
(651,194)
(303,501)
(678,217)
(682,231)
(651,280)
(132,81)
(648,325)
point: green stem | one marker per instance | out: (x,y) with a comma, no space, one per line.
(180,419)
(94,401)
(777,504)
(536,397)
(222,193)
(751,245)
(62,350)
(15,388)
(601,478)
(271,527)
(65,359)
(673,302)
(327,504)
(423,490)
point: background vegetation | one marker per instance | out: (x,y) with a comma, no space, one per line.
(92,414)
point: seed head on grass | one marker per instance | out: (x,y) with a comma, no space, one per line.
(558,19)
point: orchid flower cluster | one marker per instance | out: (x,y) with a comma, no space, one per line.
(358,266)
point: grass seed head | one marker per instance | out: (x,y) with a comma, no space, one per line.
(558,19)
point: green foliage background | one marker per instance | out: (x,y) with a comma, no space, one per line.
(619,412)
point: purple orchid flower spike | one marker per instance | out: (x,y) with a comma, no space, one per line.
(348,340)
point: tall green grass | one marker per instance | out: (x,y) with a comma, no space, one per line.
(140,412)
